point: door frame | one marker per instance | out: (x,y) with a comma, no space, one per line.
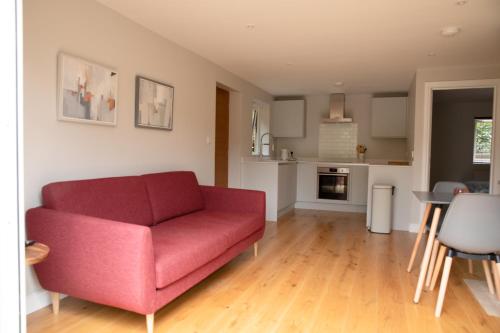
(12,281)
(228,91)
(429,88)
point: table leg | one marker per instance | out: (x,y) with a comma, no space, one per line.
(421,231)
(427,254)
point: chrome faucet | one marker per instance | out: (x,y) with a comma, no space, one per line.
(266,144)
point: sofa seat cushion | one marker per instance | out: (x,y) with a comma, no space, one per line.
(184,244)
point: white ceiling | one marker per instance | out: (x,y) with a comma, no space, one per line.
(305,46)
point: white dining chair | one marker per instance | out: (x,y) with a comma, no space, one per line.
(471,230)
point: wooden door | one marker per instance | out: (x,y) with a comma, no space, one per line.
(221,137)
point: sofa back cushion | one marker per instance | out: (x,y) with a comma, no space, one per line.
(173,194)
(122,199)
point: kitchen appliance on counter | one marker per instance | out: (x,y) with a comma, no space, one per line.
(333,183)
(285,154)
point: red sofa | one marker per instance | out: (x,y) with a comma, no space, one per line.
(138,242)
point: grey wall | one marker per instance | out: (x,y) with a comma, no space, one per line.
(453,140)
(358,107)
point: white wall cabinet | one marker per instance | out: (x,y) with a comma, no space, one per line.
(388,117)
(288,119)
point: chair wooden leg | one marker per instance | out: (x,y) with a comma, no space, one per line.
(255,249)
(434,253)
(496,279)
(444,283)
(55,302)
(439,262)
(150,321)
(421,231)
(487,273)
(471,267)
(427,255)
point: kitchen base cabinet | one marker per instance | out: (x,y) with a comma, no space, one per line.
(307,188)
(277,178)
(307,182)
(400,177)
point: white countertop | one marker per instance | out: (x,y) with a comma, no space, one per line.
(256,159)
(319,160)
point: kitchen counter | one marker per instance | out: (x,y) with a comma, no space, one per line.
(270,160)
(319,160)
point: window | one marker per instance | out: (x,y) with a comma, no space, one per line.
(255,131)
(260,126)
(483,132)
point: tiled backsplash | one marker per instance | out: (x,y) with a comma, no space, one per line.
(338,140)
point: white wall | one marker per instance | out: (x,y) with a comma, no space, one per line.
(358,107)
(418,90)
(57,150)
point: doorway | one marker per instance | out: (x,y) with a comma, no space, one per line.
(221,137)
(462,137)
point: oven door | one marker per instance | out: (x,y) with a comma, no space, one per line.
(333,186)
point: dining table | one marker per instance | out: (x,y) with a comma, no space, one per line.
(436,200)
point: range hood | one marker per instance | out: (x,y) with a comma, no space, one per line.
(337,109)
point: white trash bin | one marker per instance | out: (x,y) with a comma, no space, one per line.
(381,221)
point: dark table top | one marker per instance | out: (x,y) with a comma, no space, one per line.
(438,198)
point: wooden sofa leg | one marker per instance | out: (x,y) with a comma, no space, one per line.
(150,321)
(55,302)
(255,249)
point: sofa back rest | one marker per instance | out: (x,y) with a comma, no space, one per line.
(173,194)
(122,199)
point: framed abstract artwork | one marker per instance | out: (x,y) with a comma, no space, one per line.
(154,104)
(87,92)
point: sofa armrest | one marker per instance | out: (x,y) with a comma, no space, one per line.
(100,260)
(234,200)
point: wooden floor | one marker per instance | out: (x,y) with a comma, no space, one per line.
(316,272)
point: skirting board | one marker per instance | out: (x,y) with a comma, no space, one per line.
(285,210)
(331,207)
(413,228)
(38,299)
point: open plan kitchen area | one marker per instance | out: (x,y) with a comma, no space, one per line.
(326,152)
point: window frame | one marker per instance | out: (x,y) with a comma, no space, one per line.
(478,161)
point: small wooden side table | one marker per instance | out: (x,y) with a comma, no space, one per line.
(36,253)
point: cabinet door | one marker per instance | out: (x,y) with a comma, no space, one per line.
(307,181)
(388,117)
(288,119)
(359,185)
(287,185)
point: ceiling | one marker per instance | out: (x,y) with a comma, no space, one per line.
(291,47)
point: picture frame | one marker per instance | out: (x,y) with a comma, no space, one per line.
(154,104)
(87,92)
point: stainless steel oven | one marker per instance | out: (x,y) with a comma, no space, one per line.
(333,183)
